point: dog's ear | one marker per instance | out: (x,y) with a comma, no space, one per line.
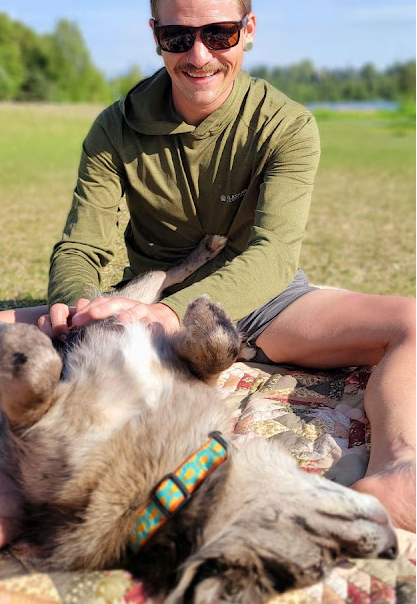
(227,571)
(29,371)
(209,342)
(273,527)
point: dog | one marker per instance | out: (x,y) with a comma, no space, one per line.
(102,439)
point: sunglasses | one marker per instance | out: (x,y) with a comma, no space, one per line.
(216,36)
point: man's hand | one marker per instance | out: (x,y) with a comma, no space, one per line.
(56,324)
(61,317)
(127,311)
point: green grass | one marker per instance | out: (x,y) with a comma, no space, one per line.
(39,156)
(360,234)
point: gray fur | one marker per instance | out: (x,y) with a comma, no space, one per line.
(87,438)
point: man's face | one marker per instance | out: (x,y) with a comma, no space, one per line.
(202,79)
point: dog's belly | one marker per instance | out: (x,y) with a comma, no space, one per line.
(118,374)
(117,381)
(111,378)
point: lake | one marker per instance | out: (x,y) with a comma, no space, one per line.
(355,105)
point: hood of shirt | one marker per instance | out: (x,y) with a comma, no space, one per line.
(148,108)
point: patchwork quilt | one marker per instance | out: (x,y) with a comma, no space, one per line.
(320,418)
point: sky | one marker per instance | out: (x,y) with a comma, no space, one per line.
(331,33)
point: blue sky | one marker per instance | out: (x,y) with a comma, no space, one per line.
(332,33)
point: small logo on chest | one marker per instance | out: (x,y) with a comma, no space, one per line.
(232,198)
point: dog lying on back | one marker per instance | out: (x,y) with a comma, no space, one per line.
(107,441)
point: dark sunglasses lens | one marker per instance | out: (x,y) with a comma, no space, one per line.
(174,38)
(220,37)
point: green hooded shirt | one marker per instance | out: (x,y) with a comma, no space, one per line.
(246,172)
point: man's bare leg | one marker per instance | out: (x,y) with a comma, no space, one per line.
(330,328)
(30,314)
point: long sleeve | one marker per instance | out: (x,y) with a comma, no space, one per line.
(89,235)
(244,282)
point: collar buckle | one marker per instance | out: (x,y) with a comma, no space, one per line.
(166,511)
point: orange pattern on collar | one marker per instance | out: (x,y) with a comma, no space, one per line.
(175,489)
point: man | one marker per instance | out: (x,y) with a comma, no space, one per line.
(201,148)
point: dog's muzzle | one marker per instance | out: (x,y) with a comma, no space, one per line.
(174,490)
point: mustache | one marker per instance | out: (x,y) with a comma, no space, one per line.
(208,69)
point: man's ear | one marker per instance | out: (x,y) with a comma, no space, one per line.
(249,31)
(151,24)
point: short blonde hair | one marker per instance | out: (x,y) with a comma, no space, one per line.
(245,5)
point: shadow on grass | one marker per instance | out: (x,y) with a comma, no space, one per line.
(21,303)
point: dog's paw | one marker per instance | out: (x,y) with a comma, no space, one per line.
(29,369)
(208,248)
(246,352)
(214,243)
(210,341)
(209,322)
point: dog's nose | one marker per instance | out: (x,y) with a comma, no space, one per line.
(389,553)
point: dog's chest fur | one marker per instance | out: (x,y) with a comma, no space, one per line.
(107,439)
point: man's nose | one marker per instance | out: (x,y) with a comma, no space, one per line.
(199,54)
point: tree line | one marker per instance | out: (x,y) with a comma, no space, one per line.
(307,84)
(54,67)
(57,67)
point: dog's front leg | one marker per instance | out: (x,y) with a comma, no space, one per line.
(208,248)
(148,287)
(29,370)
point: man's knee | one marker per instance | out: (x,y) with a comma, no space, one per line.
(404,316)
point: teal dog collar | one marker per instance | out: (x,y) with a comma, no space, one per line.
(174,490)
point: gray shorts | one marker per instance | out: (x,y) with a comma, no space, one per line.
(254,323)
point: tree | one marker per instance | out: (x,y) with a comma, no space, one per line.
(11,64)
(70,68)
(36,84)
(370,79)
(406,79)
(53,67)
(122,84)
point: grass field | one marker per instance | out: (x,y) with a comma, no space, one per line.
(361,232)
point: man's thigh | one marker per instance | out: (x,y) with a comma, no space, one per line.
(335,328)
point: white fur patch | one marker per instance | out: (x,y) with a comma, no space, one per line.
(143,361)
(116,376)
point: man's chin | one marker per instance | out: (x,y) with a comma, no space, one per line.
(203,98)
